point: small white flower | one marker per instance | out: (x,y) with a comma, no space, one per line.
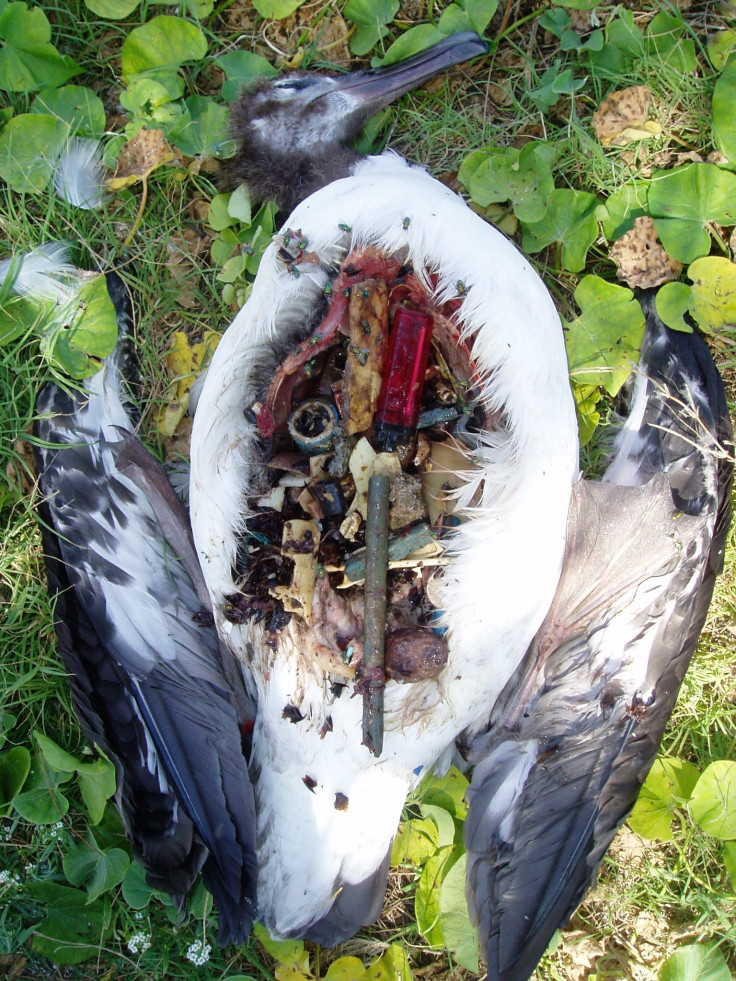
(139,943)
(138,915)
(4,877)
(198,953)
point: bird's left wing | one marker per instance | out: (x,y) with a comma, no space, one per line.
(578,728)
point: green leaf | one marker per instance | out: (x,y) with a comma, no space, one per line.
(603,342)
(136,891)
(587,398)
(41,801)
(415,841)
(96,785)
(203,129)
(480,12)
(96,779)
(392,965)
(454,20)
(724,99)
(218,216)
(30,145)
(444,821)
(163,42)
(664,39)
(427,896)
(713,802)
(75,105)
(673,302)
(683,201)
(695,962)
(668,786)
(15,766)
(283,951)
(28,61)
(523,177)
(198,8)
(276,9)
(241,69)
(151,94)
(7,721)
(729,860)
(447,792)
(459,933)
(239,204)
(411,42)
(72,930)
(85,330)
(96,870)
(623,207)
(112,9)
(713,293)
(721,45)
(370,18)
(570,219)
(554,83)
(555,20)
(55,756)
(345,969)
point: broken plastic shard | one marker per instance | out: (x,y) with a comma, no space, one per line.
(300,543)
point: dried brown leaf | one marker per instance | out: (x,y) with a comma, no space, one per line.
(139,156)
(622,117)
(640,259)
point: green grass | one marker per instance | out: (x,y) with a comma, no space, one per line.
(651,896)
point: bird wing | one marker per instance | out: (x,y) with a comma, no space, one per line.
(145,667)
(576,730)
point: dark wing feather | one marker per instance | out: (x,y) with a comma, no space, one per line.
(577,729)
(145,666)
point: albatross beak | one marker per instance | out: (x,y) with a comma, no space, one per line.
(378,87)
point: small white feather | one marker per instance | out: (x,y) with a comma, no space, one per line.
(79,174)
(40,274)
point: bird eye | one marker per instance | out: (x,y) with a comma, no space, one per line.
(291,84)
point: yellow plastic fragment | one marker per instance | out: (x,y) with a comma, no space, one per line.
(299,542)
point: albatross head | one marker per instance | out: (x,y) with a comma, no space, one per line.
(295,132)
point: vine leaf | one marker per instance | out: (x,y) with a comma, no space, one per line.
(603,342)
(713,802)
(570,219)
(668,786)
(28,60)
(683,201)
(695,962)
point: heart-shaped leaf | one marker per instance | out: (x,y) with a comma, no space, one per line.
(695,962)
(163,42)
(713,802)
(75,105)
(571,220)
(371,18)
(668,786)
(95,869)
(683,201)
(28,60)
(30,145)
(603,342)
